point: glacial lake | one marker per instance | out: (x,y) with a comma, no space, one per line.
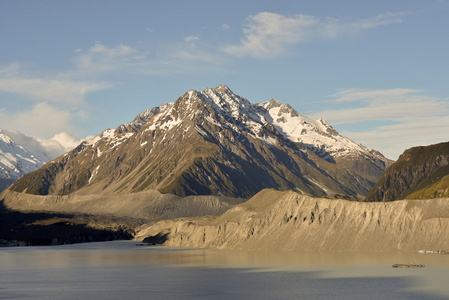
(123,270)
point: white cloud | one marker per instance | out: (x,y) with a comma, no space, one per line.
(412,118)
(191,41)
(49,103)
(59,144)
(45,149)
(392,140)
(225,26)
(67,140)
(40,120)
(191,38)
(268,35)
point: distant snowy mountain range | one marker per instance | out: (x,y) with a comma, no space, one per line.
(213,142)
(21,154)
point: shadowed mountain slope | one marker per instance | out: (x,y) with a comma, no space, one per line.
(419,173)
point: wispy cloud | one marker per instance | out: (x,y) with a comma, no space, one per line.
(51,102)
(191,42)
(268,35)
(412,118)
(191,38)
(186,55)
(53,90)
(386,105)
(45,88)
(102,59)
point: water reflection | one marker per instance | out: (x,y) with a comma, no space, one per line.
(266,258)
(122,270)
(126,252)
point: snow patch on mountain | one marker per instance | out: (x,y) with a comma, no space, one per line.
(316,135)
(95,172)
(111,137)
(93,140)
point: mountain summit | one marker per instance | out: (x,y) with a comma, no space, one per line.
(213,142)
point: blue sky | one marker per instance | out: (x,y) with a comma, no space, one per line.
(375,70)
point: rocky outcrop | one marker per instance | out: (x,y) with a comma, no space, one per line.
(418,173)
(274,220)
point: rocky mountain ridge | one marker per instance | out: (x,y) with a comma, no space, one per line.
(213,142)
(419,173)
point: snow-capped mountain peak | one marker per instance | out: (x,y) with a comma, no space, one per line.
(239,113)
(215,142)
(225,102)
(15,161)
(271,104)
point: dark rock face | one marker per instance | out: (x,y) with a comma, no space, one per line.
(416,170)
(156,239)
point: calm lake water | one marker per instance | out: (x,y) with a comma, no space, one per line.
(122,270)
